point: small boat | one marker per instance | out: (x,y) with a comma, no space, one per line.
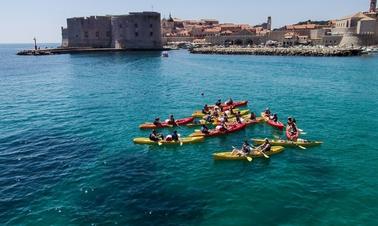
(212,133)
(289,143)
(185,140)
(279,125)
(254,154)
(165,54)
(180,122)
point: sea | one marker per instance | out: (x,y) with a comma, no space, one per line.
(67,124)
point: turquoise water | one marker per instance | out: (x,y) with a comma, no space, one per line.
(67,157)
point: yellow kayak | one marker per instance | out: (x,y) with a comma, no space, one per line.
(199,114)
(254,154)
(185,140)
(288,143)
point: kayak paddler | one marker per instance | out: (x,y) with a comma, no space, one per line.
(274,118)
(253,116)
(245,150)
(267,112)
(222,127)
(204,129)
(229,102)
(218,103)
(239,118)
(171,121)
(265,146)
(155,136)
(205,109)
(157,122)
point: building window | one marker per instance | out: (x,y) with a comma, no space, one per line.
(108,34)
(97,34)
(151,33)
(86,34)
(136,34)
(120,25)
(150,25)
(136,25)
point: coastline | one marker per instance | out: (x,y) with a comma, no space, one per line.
(312,51)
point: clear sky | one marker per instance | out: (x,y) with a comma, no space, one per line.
(21,20)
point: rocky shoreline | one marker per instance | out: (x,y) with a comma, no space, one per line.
(305,51)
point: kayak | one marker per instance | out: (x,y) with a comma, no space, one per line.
(185,140)
(279,125)
(254,154)
(288,143)
(290,136)
(199,114)
(233,105)
(179,122)
(212,133)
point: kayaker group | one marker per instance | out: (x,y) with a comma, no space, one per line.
(225,118)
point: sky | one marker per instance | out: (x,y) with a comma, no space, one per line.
(21,20)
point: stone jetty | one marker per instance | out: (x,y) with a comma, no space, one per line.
(294,51)
(54,51)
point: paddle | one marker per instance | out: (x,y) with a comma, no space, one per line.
(300,146)
(265,155)
(181,143)
(248,158)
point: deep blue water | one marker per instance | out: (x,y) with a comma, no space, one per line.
(67,124)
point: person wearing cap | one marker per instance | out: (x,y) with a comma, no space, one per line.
(175,136)
(157,122)
(253,116)
(205,129)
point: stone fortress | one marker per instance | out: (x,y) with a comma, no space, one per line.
(137,30)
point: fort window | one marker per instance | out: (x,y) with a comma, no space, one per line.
(150,25)
(97,34)
(136,25)
(136,34)
(151,33)
(120,25)
(86,34)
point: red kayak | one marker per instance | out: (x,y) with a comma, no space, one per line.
(212,133)
(279,125)
(226,107)
(292,137)
(179,122)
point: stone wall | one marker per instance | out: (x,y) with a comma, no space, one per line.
(94,31)
(133,31)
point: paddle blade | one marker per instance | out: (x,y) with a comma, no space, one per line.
(302,147)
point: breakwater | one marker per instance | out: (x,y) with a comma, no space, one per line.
(306,51)
(53,51)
